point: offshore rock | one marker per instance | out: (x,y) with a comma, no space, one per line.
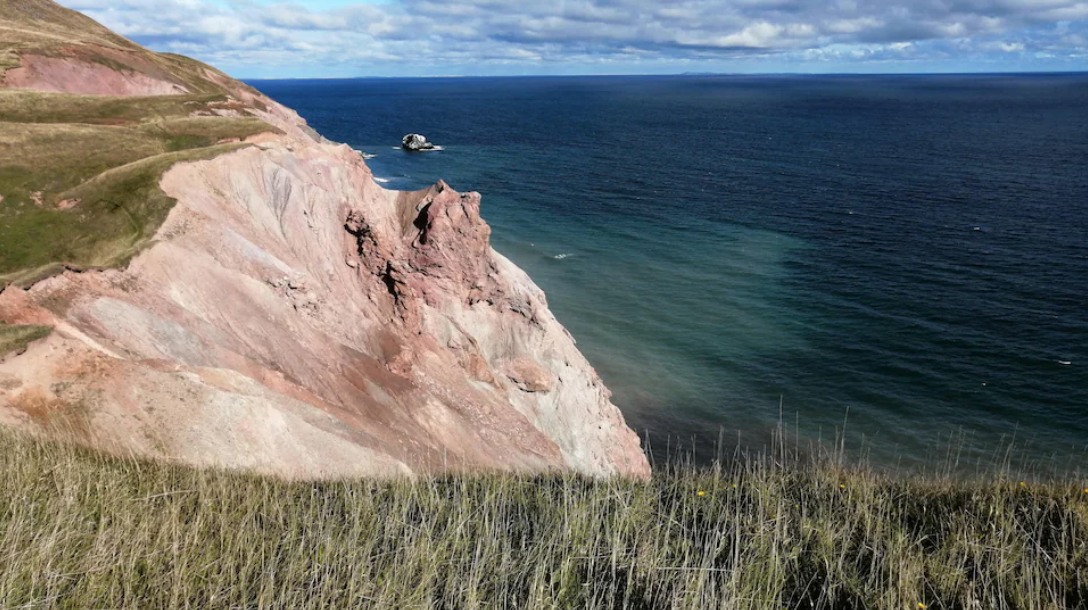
(415,142)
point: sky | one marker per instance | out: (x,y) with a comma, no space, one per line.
(352,38)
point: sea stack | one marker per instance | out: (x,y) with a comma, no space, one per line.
(416,142)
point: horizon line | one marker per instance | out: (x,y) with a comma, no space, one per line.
(692,74)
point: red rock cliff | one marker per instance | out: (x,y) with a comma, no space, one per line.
(292,316)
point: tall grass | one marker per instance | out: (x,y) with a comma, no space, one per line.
(79,529)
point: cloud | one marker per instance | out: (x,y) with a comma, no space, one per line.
(413,34)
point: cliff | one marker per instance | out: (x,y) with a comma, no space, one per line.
(239,291)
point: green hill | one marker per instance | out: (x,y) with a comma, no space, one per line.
(43,27)
(79,173)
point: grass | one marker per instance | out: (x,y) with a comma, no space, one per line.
(52,158)
(118,212)
(24,106)
(79,174)
(48,19)
(43,27)
(37,24)
(79,529)
(15,337)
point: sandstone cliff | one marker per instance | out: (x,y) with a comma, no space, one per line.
(285,313)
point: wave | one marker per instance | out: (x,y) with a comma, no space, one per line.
(560,257)
(365,154)
(381,180)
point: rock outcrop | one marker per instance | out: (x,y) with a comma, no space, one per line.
(70,75)
(293,317)
(416,142)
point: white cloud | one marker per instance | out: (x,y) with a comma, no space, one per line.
(432,32)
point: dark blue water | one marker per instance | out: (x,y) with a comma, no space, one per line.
(908,254)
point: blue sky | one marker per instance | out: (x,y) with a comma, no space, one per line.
(345,38)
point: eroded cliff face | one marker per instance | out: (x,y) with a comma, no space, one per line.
(70,75)
(293,317)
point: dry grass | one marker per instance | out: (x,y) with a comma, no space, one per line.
(25,106)
(82,530)
(38,22)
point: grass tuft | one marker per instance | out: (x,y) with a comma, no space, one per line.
(79,529)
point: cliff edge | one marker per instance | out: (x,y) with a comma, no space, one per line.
(242,293)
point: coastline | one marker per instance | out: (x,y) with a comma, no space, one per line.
(277,310)
(798,262)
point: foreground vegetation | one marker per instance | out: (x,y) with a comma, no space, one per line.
(82,530)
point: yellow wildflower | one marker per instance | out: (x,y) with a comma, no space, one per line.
(1023,484)
(700,493)
(841,486)
(921,606)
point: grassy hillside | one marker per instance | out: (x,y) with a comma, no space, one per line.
(43,27)
(81,530)
(33,25)
(79,174)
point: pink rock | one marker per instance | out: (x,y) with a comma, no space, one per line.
(529,376)
(295,318)
(70,75)
(338,370)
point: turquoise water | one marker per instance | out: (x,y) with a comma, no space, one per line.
(907,254)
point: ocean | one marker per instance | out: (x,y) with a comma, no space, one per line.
(897,261)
